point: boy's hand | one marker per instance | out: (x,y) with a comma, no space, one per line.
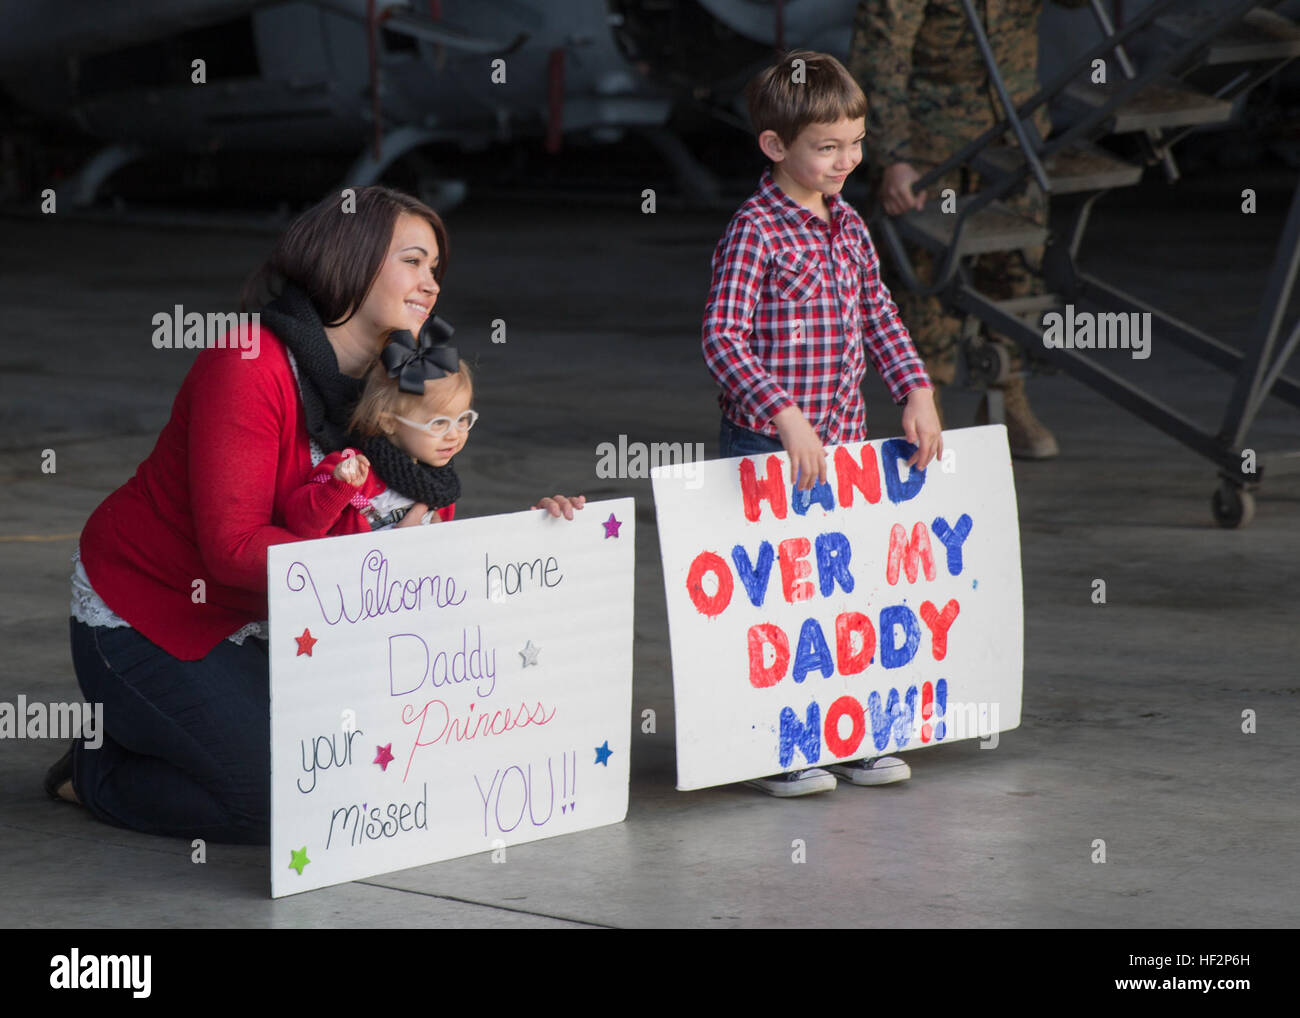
(896,189)
(921,427)
(805,449)
(354,470)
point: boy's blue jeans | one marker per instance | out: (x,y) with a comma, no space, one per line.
(733,440)
(186,750)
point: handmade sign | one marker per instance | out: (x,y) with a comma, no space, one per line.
(443,690)
(878,612)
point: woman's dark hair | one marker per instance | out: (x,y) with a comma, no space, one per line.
(334,251)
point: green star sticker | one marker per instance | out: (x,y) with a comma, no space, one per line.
(299,859)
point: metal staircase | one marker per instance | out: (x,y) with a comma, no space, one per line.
(1250,42)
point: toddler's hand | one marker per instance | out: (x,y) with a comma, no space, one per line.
(354,470)
(807,454)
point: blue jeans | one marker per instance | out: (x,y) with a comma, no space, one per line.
(733,440)
(187,744)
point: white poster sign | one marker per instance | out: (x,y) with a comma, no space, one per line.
(879,612)
(444,690)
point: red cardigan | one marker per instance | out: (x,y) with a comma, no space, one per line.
(206,504)
(310,511)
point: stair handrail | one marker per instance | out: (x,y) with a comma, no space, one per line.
(1131,87)
(882,223)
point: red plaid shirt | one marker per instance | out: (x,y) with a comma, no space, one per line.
(794,302)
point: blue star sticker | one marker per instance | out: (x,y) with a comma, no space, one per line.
(603,753)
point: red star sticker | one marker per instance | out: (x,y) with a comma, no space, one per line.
(385,756)
(305,643)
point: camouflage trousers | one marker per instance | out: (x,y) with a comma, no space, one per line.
(1000,275)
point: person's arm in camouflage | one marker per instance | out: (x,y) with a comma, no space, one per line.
(880,59)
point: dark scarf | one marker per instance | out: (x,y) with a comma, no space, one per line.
(434,486)
(329,397)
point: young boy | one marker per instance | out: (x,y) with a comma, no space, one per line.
(797,305)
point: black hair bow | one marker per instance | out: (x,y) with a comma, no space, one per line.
(411,361)
(437,330)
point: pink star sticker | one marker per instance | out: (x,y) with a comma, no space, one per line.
(385,756)
(611,526)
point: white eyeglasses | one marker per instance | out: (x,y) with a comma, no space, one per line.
(439,426)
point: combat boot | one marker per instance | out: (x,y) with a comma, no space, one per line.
(1026,434)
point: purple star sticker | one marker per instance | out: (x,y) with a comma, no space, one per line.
(611,526)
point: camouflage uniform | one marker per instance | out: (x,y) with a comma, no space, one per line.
(928,94)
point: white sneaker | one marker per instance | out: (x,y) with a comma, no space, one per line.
(881,770)
(805,782)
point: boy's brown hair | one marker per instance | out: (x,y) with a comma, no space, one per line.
(804,88)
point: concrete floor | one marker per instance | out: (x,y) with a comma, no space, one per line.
(1132,709)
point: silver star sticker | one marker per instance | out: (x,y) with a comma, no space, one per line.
(529,654)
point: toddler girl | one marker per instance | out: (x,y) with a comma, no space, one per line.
(413,417)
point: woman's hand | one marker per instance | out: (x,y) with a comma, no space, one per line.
(560,505)
(413,516)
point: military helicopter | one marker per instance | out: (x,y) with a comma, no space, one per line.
(378,80)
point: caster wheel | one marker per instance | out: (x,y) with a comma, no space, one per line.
(1233,507)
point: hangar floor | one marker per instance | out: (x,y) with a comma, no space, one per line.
(1132,728)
